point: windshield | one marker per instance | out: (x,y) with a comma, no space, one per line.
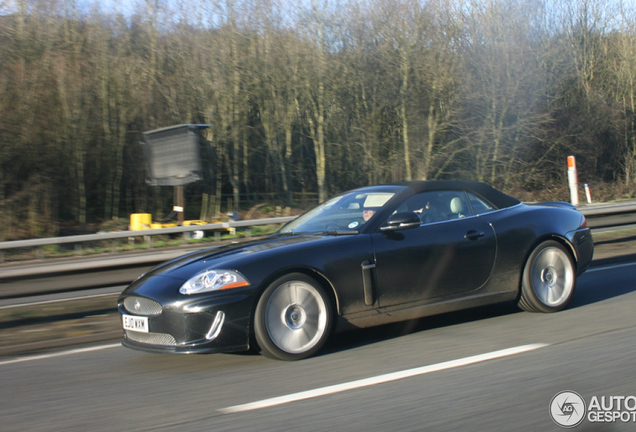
(344,214)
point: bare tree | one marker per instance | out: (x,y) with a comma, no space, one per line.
(503,87)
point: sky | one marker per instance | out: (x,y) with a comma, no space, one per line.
(124,6)
(130,7)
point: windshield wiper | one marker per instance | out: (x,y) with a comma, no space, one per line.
(338,232)
(326,232)
(289,233)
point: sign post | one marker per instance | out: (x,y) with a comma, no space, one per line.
(173,158)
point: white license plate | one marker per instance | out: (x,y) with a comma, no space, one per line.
(135,323)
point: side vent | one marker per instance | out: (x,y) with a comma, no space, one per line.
(367,282)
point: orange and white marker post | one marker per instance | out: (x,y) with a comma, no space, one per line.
(573,180)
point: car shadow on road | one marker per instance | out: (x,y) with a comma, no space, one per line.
(597,286)
(361,337)
(593,286)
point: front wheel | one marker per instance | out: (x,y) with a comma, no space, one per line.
(293,318)
(549,278)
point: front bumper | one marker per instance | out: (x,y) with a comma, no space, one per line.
(204,323)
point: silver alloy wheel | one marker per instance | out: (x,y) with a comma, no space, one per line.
(295,317)
(552,276)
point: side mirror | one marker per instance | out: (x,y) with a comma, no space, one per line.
(401,221)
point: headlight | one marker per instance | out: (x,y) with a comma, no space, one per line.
(213,280)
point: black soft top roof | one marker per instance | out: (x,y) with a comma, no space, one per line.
(482,190)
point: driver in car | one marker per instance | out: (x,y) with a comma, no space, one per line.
(368,213)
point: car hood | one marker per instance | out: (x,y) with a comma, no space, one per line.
(224,256)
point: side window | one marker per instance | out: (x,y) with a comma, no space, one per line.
(425,206)
(438,206)
(479,205)
(457,204)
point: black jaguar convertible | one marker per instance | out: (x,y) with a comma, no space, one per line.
(370,256)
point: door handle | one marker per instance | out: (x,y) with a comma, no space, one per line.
(474,235)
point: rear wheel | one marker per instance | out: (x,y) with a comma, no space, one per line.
(549,278)
(293,318)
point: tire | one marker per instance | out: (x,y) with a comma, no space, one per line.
(293,318)
(549,278)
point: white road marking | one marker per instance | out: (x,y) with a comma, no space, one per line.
(366,382)
(609,267)
(59,354)
(43,302)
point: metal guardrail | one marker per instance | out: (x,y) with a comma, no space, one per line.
(614,215)
(598,215)
(87,272)
(140,233)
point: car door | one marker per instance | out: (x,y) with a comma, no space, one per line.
(451,253)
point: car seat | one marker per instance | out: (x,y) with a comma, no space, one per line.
(456,208)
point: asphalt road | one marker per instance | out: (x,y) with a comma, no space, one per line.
(588,348)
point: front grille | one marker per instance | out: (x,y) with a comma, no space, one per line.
(152,338)
(142,306)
